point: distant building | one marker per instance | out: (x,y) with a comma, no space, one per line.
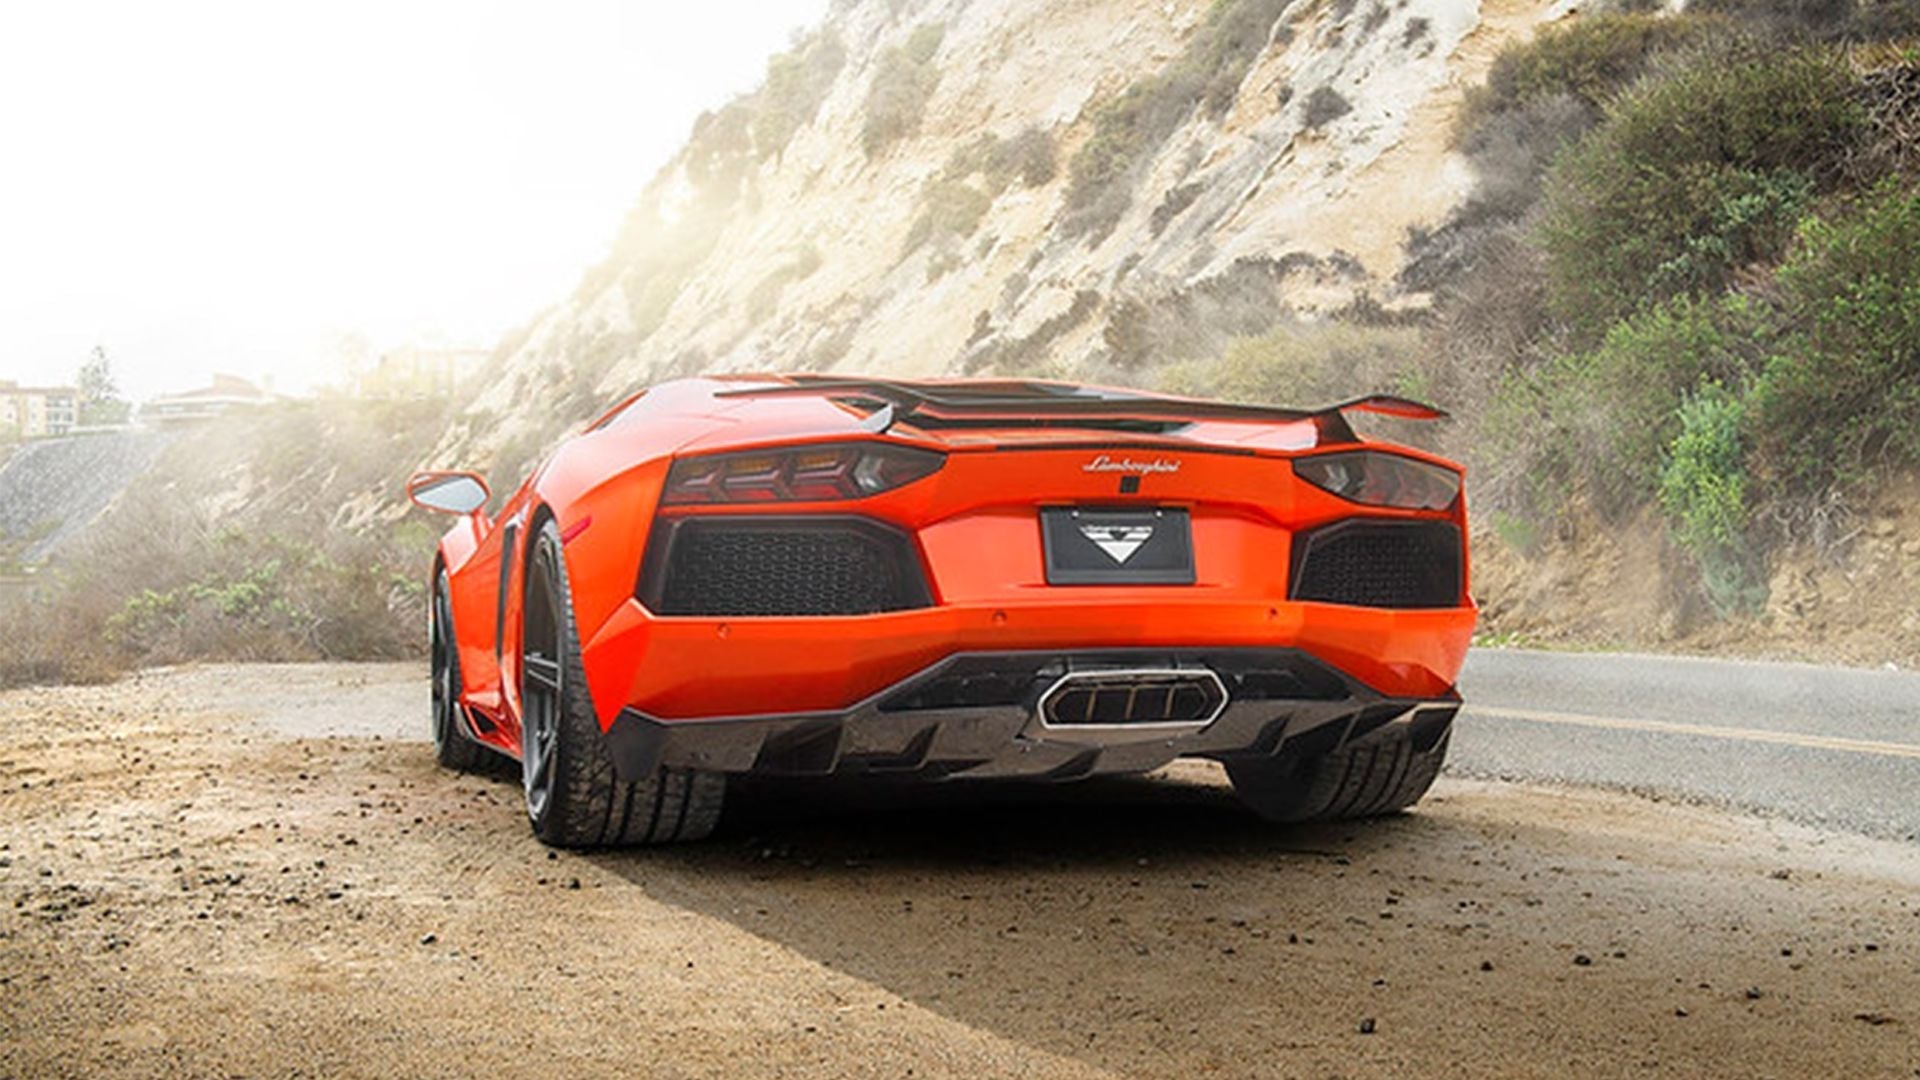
(414,371)
(31,412)
(226,393)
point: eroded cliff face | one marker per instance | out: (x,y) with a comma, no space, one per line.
(1075,188)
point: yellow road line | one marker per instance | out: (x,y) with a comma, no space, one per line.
(1666,727)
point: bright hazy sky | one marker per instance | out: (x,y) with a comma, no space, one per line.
(233,187)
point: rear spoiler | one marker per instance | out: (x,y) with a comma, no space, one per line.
(1039,402)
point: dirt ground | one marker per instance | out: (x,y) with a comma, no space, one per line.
(243,871)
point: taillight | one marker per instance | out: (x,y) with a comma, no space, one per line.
(1377,479)
(798,474)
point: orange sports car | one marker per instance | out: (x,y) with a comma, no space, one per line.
(815,575)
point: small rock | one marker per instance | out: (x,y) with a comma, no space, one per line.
(1486,965)
(1873,1018)
(1367,1026)
(428,939)
(1582,960)
(1680,1013)
(1754,994)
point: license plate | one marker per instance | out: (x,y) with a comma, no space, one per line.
(1090,546)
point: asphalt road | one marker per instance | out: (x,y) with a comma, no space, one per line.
(1830,747)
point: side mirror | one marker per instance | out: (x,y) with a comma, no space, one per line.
(448,492)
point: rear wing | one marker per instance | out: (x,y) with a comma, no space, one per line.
(1041,403)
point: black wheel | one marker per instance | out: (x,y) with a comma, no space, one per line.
(452,745)
(574,798)
(1365,780)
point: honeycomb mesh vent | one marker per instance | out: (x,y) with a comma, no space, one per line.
(1383,564)
(785,569)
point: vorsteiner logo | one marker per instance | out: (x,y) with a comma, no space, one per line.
(1103,463)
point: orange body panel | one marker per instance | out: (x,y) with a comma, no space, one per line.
(974,525)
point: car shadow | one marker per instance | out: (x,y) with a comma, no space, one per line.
(1103,920)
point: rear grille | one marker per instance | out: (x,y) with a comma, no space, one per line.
(1386,564)
(780,566)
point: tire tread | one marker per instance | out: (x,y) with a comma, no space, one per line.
(590,805)
(1365,780)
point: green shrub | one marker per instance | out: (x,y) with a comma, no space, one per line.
(1703,488)
(1324,106)
(1690,176)
(949,208)
(1510,153)
(798,81)
(903,81)
(953,201)
(1603,417)
(1026,156)
(275,598)
(1837,20)
(1751,217)
(1029,154)
(1129,130)
(1303,365)
(1843,394)
(1590,60)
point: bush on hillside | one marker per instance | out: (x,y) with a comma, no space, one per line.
(1834,20)
(1304,365)
(1510,153)
(798,82)
(1324,106)
(1703,488)
(279,598)
(1602,418)
(154,584)
(1692,176)
(1588,60)
(1843,394)
(949,207)
(953,201)
(903,81)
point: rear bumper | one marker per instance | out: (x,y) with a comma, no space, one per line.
(979,715)
(685,669)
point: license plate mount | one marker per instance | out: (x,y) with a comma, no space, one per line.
(1117,546)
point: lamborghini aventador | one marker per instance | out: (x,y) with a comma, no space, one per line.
(944,580)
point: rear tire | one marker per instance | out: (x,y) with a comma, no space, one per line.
(453,747)
(1360,781)
(574,798)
